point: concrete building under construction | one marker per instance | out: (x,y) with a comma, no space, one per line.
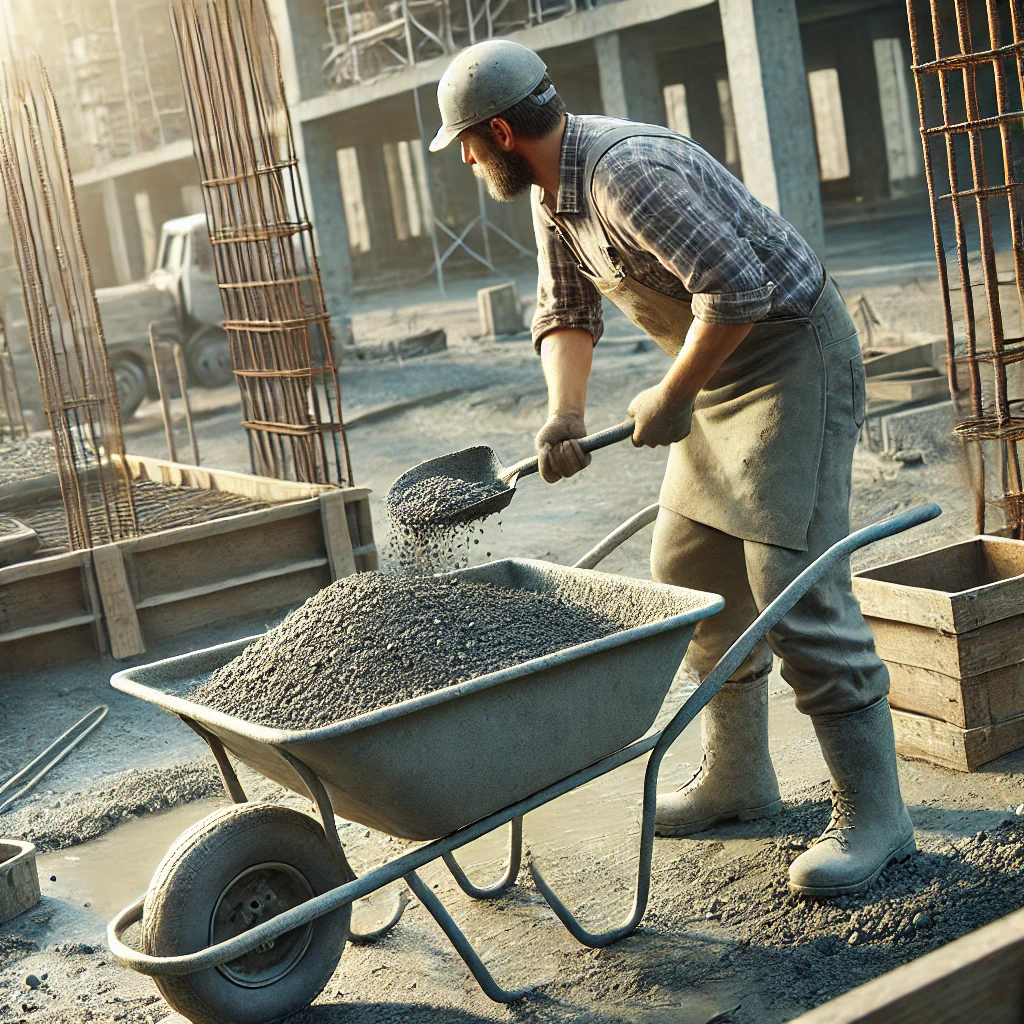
(810,101)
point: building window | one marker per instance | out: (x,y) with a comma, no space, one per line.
(829,126)
(676,112)
(899,111)
(352,200)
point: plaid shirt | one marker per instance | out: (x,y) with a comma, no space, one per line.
(680,224)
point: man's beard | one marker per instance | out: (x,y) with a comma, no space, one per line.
(506,175)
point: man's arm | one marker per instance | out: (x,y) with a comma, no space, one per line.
(566,356)
(662,413)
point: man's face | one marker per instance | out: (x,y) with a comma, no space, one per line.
(506,175)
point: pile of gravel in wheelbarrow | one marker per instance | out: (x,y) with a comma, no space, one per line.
(372,640)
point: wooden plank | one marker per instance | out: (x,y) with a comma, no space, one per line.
(979,977)
(118,605)
(996,645)
(35,601)
(958,588)
(263,596)
(227,584)
(218,527)
(337,538)
(60,647)
(262,488)
(907,390)
(207,560)
(41,567)
(46,627)
(367,562)
(980,700)
(961,749)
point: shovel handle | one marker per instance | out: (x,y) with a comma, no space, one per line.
(590,443)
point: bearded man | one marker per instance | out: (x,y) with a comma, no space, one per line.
(762,405)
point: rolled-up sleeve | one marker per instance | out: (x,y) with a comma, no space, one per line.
(685,225)
(565,298)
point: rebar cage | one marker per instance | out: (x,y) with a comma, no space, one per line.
(264,254)
(968,64)
(78,392)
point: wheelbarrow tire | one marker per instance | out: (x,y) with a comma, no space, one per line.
(241,857)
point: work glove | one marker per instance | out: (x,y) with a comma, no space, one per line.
(660,418)
(558,449)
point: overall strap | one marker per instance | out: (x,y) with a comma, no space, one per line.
(599,147)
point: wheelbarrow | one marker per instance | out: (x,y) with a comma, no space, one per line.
(248,914)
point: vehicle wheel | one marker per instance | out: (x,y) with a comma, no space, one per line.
(209,358)
(131,384)
(238,867)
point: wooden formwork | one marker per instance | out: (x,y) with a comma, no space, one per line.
(978,978)
(121,597)
(948,624)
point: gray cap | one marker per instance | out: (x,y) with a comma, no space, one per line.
(482,82)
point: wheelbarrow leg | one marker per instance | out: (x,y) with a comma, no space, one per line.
(730,662)
(507,880)
(232,786)
(463,947)
(326,811)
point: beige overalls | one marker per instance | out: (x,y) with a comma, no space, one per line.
(761,486)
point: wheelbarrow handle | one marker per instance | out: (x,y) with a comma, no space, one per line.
(773,614)
(590,443)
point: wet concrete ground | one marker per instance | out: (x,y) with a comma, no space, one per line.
(715,935)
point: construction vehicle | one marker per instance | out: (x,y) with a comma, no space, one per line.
(180,298)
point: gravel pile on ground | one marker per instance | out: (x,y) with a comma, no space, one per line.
(950,887)
(372,640)
(27,459)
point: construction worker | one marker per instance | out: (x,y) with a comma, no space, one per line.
(762,405)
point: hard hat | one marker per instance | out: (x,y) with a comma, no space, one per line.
(482,82)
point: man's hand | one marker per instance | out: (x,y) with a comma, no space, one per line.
(558,449)
(661,417)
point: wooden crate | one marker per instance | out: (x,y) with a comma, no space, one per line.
(979,977)
(124,596)
(949,625)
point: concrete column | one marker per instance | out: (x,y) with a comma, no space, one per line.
(630,84)
(327,209)
(116,232)
(862,111)
(301,30)
(705,110)
(773,111)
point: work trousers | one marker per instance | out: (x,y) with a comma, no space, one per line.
(826,648)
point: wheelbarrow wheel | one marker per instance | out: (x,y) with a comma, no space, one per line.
(237,868)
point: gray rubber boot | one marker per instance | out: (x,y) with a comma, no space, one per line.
(736,780)
(870,826)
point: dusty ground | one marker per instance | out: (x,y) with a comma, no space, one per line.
(721,932)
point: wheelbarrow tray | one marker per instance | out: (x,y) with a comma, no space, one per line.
(422,768)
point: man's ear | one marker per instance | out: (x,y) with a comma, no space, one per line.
(503,134)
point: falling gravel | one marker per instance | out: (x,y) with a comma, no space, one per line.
(429,528)
(372,640)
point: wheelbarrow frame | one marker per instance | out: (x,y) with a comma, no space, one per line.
(406,866)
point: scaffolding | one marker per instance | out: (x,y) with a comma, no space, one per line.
(274,310)
(968,63)
(78,392)
(370,38)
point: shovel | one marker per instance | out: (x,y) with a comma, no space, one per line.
(480,465)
